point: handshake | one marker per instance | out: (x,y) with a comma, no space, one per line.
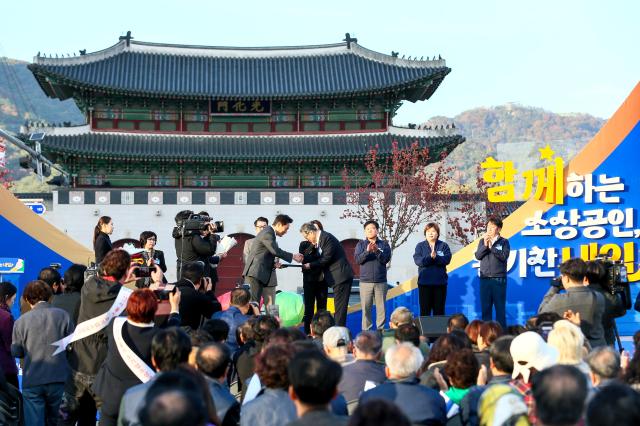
(297,257)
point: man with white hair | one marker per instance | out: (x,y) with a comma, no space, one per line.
(604,363)
(400,316)
(419,403)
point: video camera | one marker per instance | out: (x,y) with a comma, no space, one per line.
(195,223)
(616,279)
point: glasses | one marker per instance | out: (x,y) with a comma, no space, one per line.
(151,239)
(261,226)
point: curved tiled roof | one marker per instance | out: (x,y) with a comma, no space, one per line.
(260,148)
(151,69)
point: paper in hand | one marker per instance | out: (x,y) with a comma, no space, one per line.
(226,244)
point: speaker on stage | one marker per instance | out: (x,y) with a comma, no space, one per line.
(434,326)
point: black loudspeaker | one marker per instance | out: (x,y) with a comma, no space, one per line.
(434,326)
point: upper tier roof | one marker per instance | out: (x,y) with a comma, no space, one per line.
(164,70)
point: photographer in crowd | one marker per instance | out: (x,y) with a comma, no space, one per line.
(196,239)
(198,301)
(596,279)
(578,302)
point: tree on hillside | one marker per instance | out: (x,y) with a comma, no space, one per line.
(5,178)
(400,193)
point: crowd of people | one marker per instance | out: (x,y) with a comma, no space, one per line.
(131,349)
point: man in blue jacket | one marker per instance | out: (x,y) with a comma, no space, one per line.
(373,254)
(493,254)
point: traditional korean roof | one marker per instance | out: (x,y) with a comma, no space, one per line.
(339,70)
(83,142)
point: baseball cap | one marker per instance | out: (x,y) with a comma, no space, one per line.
(335,337)
(529,350)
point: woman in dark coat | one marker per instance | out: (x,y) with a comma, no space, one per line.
(432,257)
(151,256)
(7,362)
(101,241)
(115,375)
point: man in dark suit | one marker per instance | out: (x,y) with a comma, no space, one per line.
(333,261)
(198,301)
(260,262)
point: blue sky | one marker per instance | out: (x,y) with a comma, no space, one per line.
(565,56)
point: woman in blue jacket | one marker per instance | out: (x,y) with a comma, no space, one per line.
(432,257)
(373,254)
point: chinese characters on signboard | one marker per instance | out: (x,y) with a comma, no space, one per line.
(240,107)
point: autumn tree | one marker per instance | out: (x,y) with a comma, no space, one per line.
(400,193)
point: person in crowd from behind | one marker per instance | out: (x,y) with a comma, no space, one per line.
(559,395)
(472,331)
(314,382)
(335,267)
(366,371)
(245,365)
(530,354)
(151,256)
(604,366)
(631,374)
(262,259)
(400,315)
(272,407)
(419,403)
(217,329)
(198,339)
(313,283)
(489,331)
(615,404)
(596,278)
(373,254)
(160,408)
(213,360)
(493,253)
(462,370)
(457,321)
(237,314)
(337,345)
(579,299)
(87,354)
(52,277)
(129,342)
(101,240)
(432,257)
(69,301)
(170,348)
(569,341)
(321,322)
(440,350)
(43,375)
(198,301)
(193,245)
(7,361)
(378,413)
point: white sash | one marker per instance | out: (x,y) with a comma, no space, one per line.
(92,326)
(133,361)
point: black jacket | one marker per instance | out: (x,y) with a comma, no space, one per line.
(310,253)
(96,297)
(102,246)
(493,261)
(333,260)
(194,305)
(191,248)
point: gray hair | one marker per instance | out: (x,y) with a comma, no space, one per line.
(308,227)
(401,315)
(604,361)
(403,360)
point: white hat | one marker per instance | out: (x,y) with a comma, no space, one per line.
(529,350)
(336,336)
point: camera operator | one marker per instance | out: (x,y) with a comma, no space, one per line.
(585,303)
(196,244)
(596,279)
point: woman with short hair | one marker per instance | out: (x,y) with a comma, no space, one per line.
(432,257)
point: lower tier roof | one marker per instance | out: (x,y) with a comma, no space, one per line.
(83,142)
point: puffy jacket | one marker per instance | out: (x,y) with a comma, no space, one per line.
(373,266)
